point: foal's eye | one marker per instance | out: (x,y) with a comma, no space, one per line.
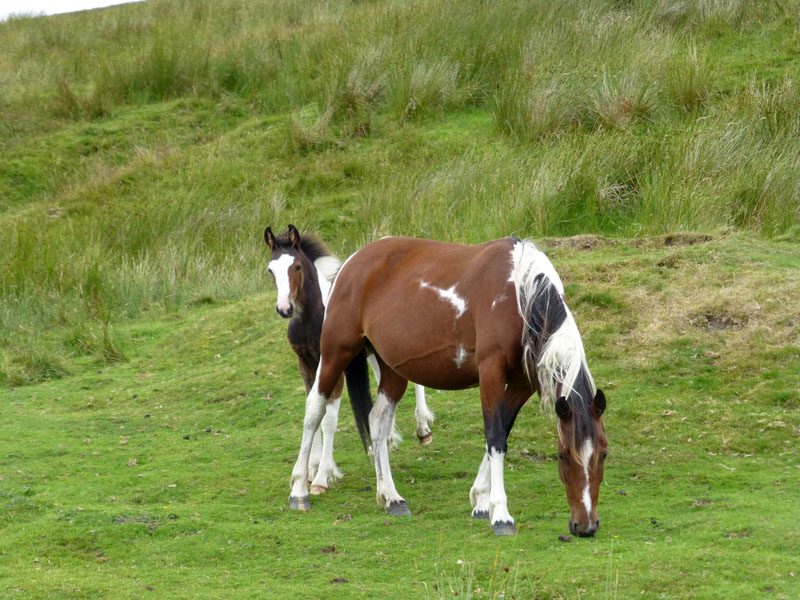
(603,455)
(562,456)
(297,268)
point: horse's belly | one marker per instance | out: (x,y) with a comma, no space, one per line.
(450,366)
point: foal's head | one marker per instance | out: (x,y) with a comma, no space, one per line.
(582,450)
(289,268)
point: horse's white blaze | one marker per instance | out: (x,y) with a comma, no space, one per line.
(461,356)
(449,295)
(586,455)
(327,267)
(280,270)
(562,356)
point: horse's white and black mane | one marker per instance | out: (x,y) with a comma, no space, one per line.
(551,341)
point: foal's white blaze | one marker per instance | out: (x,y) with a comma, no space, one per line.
(586,455)
(461,356)
(459,303)
(280,270)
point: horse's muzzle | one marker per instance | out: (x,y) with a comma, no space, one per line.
(285,313)
(584,530)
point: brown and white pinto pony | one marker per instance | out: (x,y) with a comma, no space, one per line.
(449,316)
(303,269)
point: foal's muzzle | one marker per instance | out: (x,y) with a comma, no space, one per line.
(285,313)
(584,529)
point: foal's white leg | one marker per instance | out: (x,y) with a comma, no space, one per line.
(479,492)
(380,422)
(502,521)
(328,472)
(424,417)
(315,409)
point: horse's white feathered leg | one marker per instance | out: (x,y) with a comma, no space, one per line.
(315,410)
(380,422)
(479,493)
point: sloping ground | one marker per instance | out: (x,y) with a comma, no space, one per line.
(169,471)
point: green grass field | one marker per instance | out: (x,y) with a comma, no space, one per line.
(150,407)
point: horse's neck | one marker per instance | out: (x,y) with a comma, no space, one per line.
(310,305)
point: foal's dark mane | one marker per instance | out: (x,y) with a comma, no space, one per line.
(310,245)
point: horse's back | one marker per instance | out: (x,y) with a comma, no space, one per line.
(422,304)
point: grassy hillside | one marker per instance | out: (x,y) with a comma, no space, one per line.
(651,146)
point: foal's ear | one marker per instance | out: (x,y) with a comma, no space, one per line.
(269,238)
(599,404)
(562,409)
(294,236)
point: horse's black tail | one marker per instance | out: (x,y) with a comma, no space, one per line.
(357,378)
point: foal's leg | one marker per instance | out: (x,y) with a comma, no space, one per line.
(479,493)
(328,472)
(424,417)
(394,436)
(380,422)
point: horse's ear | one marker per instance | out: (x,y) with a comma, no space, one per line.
(599,404)
(269,238)
(562,409)
(294,236)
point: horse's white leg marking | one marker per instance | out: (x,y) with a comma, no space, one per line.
(459,303)
(479,492)
(280,270)
(315,409)
(498,503)
(586,455)
(380,422)
(424,416)
(328,471)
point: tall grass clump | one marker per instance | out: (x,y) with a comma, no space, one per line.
(690,81)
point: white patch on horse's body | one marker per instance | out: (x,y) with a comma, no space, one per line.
(461,356)
(280,270)
(499,300)
(562,356)
(586,455)
(327,267)
(449,295)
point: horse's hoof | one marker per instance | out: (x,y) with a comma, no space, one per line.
(425,440)
(480,514)
(299,503)
(398,508)
(504,528)
(318,489)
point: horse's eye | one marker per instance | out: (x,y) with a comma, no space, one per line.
(562,456)
(297,268)
(603,455)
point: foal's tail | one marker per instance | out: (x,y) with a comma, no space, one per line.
(357,378)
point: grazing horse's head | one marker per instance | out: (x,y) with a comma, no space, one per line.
(288,268)
(582,450)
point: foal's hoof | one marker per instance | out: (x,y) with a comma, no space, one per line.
(480,514)
(299,503)
(504,528)
(316,490)
(398,509)
(426,439)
